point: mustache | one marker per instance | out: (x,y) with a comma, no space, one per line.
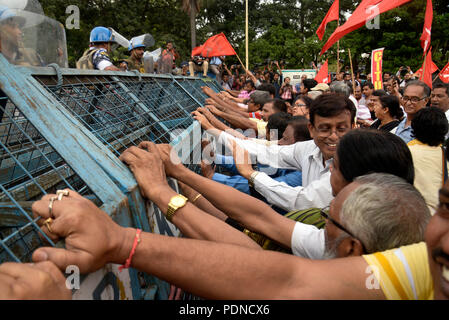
(439,253)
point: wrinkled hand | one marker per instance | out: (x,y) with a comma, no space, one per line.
(92,239)
(208,91)
(214,110)
(172,164)
(206,112)
(242,159)
(147,167)
(205,124)
(209,101)
(40,281)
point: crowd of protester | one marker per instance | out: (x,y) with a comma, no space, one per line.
(308,173)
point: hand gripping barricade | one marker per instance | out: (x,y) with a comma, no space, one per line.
(65,128)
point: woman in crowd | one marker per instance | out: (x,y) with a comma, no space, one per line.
(287,91)
(388,113)
(301,106)
(430,127)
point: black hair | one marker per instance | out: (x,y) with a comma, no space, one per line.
(395,78)
(379,93)
(368,84)
(442,86)
(364,151)
(251,82)
(270,88)
(309,84)
(300,130)
(393,105)
(278,121)
(330,105)
(278,104)
(307,100)
(430,126)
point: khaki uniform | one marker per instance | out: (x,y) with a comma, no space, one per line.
(135,65)
(26,58)
(86,61)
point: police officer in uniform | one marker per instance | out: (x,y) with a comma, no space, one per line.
(11,46)
(97,56)
(135,61)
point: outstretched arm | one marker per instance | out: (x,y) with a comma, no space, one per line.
(208,269)
(203,119)
(236,121)
(249,211)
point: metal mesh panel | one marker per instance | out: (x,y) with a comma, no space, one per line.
(107,109)
(194,88)
(164,99)
(29,169)
(211,84)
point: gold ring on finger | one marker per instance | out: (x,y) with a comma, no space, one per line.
(50,206)
(47,223)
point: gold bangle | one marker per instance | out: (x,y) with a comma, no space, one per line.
(199,195)
(252,178)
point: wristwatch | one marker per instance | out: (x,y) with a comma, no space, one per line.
(176,202)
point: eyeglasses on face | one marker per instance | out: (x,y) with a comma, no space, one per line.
(325,215)
(326,132)
(412,99)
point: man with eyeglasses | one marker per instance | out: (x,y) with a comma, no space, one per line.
(416,96)
(331,117)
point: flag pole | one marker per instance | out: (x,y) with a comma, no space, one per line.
(424,67)
(436,77)
(352,72)
(246,40)
(241,61)
(338,47)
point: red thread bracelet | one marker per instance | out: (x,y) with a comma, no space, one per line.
(133,250)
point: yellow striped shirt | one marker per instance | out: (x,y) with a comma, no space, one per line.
(403,273)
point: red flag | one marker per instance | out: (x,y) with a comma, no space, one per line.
(433,67)
(217,46)
(366,10)
(427,30)
(429,68)
(197,51)
(332,15)
(323,74)
(444,74)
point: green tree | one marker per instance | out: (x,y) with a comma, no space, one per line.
(279,29)
(192,7)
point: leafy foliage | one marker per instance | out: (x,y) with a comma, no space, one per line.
(279,29)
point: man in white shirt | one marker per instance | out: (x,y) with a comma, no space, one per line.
(331,117)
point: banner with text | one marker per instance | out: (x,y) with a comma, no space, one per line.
(376,68)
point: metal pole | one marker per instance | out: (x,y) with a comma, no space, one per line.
(352,72)
(246,40)
(338,50)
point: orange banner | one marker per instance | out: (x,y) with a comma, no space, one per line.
(376,68)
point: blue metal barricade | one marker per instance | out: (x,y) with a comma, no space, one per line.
(66,128)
